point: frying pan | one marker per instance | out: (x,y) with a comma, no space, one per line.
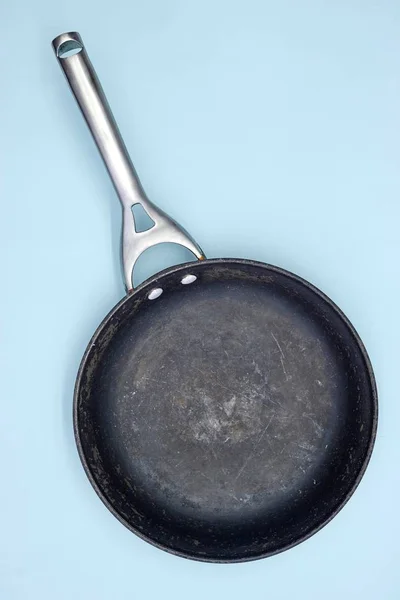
(224,410)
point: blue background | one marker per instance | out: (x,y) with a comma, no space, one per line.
(270,130)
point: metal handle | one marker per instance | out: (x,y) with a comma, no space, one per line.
(82,78)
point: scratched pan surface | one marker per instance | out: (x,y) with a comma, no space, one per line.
(228,419)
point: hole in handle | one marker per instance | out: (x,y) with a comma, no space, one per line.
(69,48)
(159,257)
(142,219)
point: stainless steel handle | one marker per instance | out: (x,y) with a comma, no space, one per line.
(82,78)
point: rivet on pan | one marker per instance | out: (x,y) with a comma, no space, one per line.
(188,279)
(156,293)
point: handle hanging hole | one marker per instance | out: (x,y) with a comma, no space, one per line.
(69,48)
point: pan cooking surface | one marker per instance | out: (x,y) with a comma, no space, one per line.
(228,418)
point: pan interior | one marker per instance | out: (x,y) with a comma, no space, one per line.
(229,418)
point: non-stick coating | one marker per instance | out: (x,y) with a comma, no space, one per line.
(228,419)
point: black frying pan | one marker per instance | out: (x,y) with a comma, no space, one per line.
(224,410)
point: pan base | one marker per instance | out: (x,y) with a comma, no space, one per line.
(227,419)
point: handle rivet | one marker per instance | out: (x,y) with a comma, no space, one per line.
(188,279)
(156,293)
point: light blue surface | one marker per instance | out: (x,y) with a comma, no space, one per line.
(271,131)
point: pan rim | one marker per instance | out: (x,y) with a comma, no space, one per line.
(368,367)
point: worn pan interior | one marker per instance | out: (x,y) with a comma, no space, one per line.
(229,418)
